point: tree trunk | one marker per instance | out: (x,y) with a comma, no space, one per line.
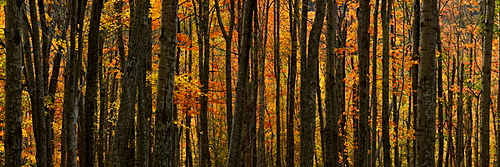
(331,109)
(414,73)
(309,88)
(361,155)
(292,74)
(13,88)
(163,143)
(486,82)
(143,39)
(87,157)
(385,83)
(204,66)
(277,68)
(425,127)
(374,98)
(238,135)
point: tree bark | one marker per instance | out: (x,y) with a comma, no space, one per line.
(238,135)
(385,10)
(87,157)
(361,155)
(486,82)
(292,74)
(163,144)
(13,88)
(374,98)
(426,119)
(331,109)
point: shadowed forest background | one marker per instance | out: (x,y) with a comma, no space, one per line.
(249,83)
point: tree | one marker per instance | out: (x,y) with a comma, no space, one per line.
(386,12)
(239,130)
(163,141)
(426,119)
(309,88)
(13,88)
(292,74)
(87,157)
(204,67)
(332,112)
(486,82)
(361,154)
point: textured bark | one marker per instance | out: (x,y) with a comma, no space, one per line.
(361,155)
(70,92)
(460,119)
(374,98)
(414,73)
(308,89)
(277,73)
(486,82)
(292,74)
(386,12)
(143,39)
(440,122)
(426,119)
(238,135)
(163,143)
(13,89)
(331,109)
(87,157)
(204,67)
(38,91)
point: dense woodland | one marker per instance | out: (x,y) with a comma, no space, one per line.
(249,83)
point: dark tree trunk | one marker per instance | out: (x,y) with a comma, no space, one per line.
(87,157)
(331,109)
(239,132)
(38,91)
(425,127)
(13,88)
(309,87)
(385,83)
(292,74)
(414,72)
(374,98)
(143,40)
(361,155)
(163,143)
(486,82)
(277,68)
(204,66)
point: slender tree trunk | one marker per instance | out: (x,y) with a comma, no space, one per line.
(292,74)
(309,88)
(238,133)
(13,88)
(204,66)
(374,98)
(331,110)
(163,143)
(460,118)
(277,68)
(361,155)
(87,157)
(414,73)
(425,127)
(486,82)
(143,40)
(385,83)
(37,95)
(70,91)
